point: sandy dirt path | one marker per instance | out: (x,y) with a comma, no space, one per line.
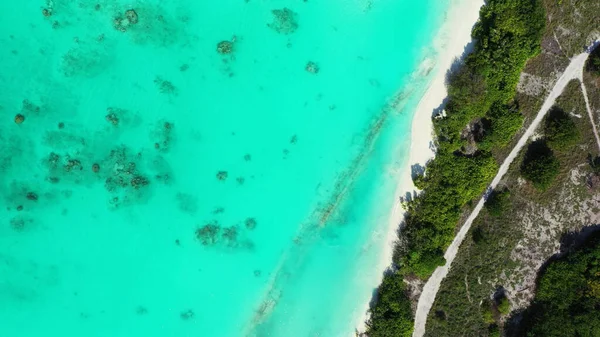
(589,110)
(573,71)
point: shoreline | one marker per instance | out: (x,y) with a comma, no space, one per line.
(450,44)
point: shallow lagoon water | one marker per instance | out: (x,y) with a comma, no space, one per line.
(236,194)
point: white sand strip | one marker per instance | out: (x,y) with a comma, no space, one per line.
(449,44)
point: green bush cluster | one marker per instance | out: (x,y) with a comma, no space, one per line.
(506,36)
(540,166)
(567,301)
(560,130)
(594,164)
(504,305)
(593,63)
(498,202)
(391,315)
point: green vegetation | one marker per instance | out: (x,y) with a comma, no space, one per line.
(494,253)
(505,121)
(593,63)
(560,130)
(498,202)
(488,312)
(594,164)
(568,296)
(507,35)
(540,166)
(504,305)
(391,316)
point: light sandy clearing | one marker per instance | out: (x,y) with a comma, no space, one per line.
(573,71)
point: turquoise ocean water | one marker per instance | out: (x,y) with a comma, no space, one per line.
(153,186)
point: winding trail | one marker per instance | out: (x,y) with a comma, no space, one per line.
(573,71)
(589,110)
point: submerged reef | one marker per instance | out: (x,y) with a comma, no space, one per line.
(164,86)
(19,119)
(162,136)
(250,223)
(125,20)
(208,234)
(225,47)
(212,234)
(312,67)
(125,171)
(222,175)
(187,314)
(284,21)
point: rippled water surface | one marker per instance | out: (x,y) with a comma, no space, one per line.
(196,168)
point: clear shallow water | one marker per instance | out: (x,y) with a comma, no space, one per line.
(291,233)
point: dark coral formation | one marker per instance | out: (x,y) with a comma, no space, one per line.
(112,117)
(250,223)
(284,21)
(225,47)
(164,86)
(222,175)
(312,67)
(19,118)
(123,22)
(125,171)
(208,234)
(230,235)
(72,165)
(139,181)
(187,315)
(32,196)
(163,136)
(131,16)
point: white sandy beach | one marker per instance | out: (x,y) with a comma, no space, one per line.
(451,40)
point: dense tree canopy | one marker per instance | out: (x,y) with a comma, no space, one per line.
(593,63)
(567,301)
(560,129)
(540,166)
(498,202)
(392,315)
(506,36)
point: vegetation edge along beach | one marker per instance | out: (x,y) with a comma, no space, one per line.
(480,119)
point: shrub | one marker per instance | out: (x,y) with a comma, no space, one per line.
(540,166)
(594,164)
(593,63)
(504,122)
(391,314)
(506,36)
(494,330)
(488,313)
(478,235)
(498,202)
(565,304)
(504,305)
(560,129)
